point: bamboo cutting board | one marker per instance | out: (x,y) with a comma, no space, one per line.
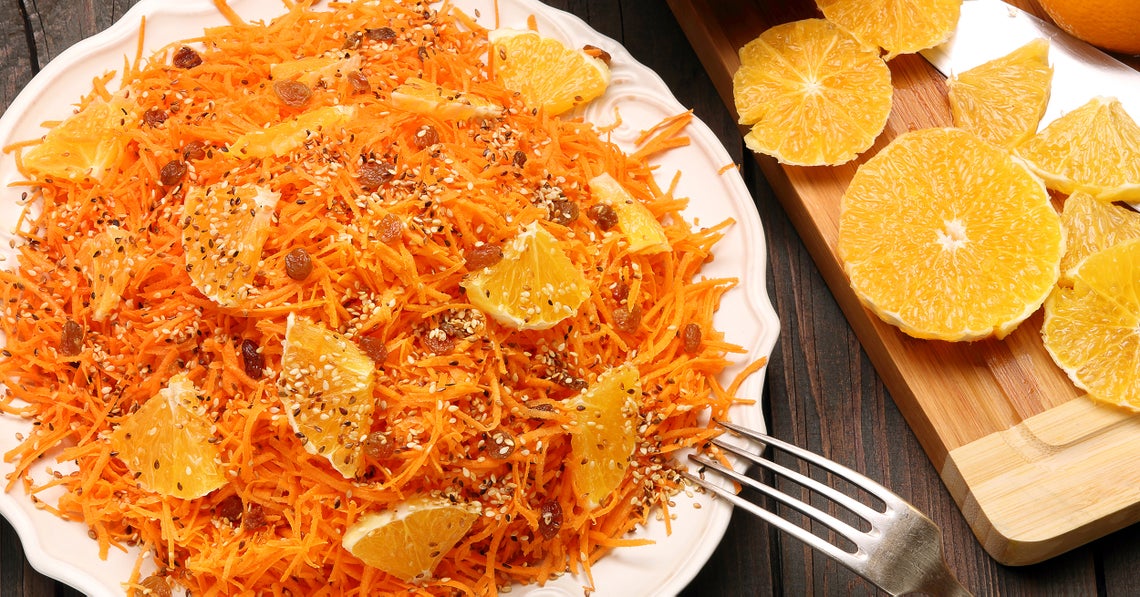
(1036,467)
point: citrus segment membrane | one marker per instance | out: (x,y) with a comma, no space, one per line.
(167,445)
(897,26)
(533,287)
(1092,328)
(948,237)
(605,435)
(1094,148)
(326,388)
(1003,100)
(813,94)
(224,229)
(545,72)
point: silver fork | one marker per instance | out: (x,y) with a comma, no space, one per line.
(901,552)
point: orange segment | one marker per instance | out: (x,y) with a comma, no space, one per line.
(1095,149)
(1002,101)
(948,237)
(85,145)
(286,137)
(424,97)
(411,539)
(644,233)
(106,259)
(313,69)
(326,387)
(546,72)
(1092,226)
(533,287)
(603,440)
(166,443)
(1092,329)
(897,26)
(224,230)
(812,92)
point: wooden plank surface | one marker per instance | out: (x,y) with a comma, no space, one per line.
(822,391)
(954,395)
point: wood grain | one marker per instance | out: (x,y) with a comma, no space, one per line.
(963,400)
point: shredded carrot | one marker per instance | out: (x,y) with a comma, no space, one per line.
(438,404)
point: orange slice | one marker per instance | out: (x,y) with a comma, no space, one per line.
(411,539)
(286,137)
(813,94)
(224,230)
(545,72)
(949,237)
(166,443)
(85,145)
(1092,329)
(1095,149)
(424,97)
(640,227)
(897,26)
(1092,226)
(326,387)
(605,436)
(1003,100)
(533,287)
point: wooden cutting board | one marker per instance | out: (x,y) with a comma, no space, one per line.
(1036,467)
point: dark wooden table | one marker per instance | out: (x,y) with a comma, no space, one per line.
(821,391)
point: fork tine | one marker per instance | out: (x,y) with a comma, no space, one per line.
(860,539)
(860,509)
(812,540)
(867,484)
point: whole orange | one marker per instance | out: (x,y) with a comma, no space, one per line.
(1110,24)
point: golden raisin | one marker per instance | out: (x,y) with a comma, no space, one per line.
(154,117)
(252,360)
(691,338)
(359,82)
(194,150)
(563,211)
(186,57)
(71,340)
(292,93)
(380,34)
(627,319)
(298,264)
(375,349)
(426,137)
(598,53)
(155,586)
(254,518)
(549,519)
(603,215)
(377,446)
(172,173)
(374,174)
(483,256)
(390,228)
(230,509)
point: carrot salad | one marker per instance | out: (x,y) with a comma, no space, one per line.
(391,208)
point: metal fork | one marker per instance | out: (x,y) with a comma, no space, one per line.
(900,553)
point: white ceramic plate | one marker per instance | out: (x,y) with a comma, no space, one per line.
(62,549)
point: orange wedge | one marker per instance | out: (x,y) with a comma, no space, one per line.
(411,539)
(605,435)
(545,72)
(640,227)
(166,443)
(897,26)
(1002,101)
(1092,226)
(85,145)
